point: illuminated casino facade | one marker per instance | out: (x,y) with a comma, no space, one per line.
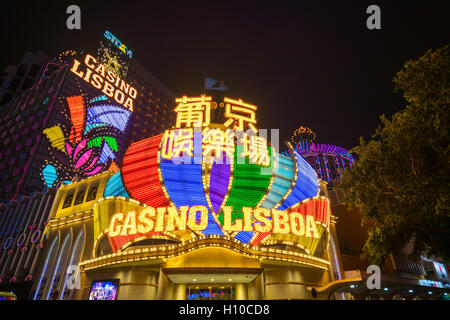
(75,121)
(205,209)
(79,107)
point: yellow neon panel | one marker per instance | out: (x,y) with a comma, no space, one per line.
(56,137)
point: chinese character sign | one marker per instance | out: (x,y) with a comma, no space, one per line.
(193,112)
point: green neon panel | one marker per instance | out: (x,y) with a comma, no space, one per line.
(97,142)
(112,143)
(249,184)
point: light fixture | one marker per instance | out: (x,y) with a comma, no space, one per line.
(212,280)
(194,280)
(445,293)
(429,292)
(230,279)
(386,289)
(410,291)
(352,286)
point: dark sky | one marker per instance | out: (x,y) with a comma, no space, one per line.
(310,63)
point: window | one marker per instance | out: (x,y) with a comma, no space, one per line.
(104,247)
(92,193)
(34,70)
(27,83)
(80,196)
(21,70)
(68,200)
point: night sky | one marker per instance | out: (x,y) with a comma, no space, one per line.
(311,63)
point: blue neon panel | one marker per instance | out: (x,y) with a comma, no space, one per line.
(106,153)
(50,175)
(284,175)
(115,187)
(109,114)
(306,186)
(244,236)
(89,127)
(184,184)
(99,98)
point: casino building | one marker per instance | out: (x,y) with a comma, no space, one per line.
(327,160)
(62,124)
(402,276)
(205,210)
(62,106)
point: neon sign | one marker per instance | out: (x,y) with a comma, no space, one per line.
(196,219)
(207,178)
(216,143)
(106,81)
(118,44)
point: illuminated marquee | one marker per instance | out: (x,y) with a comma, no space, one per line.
(216,143)
(205,178)
(196,219)
(106,81)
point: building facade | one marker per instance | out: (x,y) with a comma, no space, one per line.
(63,121)
(402,276)
(179,221)
(328,161)
(16,79)
(64,111)
(22,225)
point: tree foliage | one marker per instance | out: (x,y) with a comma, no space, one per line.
(400,180)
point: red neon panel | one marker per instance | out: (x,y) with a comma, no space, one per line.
(318,208)
(76,108)
(140,172)
(119,241)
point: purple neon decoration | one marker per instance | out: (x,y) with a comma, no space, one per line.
(219,180)
(35,238)
(21,239)
(306,149)
(83,159)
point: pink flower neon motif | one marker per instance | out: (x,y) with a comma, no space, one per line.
(84,152)
(94,161)
(81,145)
(81,156)
(69,149)
(96,170)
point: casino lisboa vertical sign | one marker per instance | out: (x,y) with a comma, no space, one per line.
(89,140)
